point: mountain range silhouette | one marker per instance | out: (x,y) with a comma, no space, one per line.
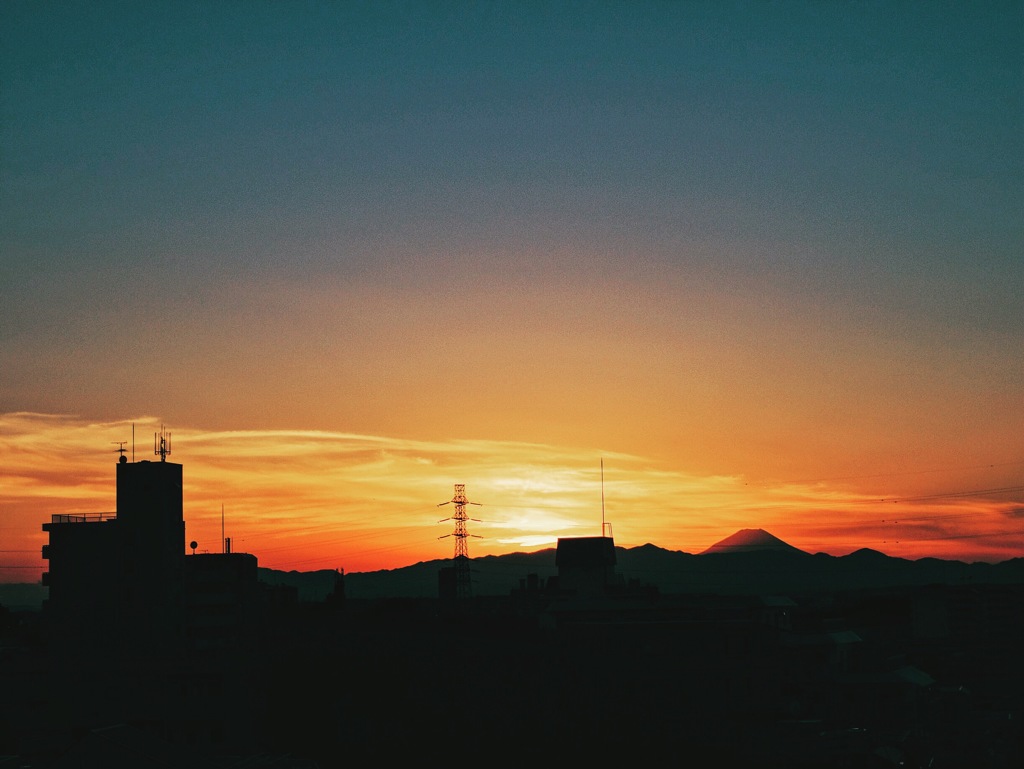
(748,562)
(751,561)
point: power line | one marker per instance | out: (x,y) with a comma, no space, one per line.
(955,494)
(991,465)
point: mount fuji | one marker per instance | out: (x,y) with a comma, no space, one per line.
(751,540)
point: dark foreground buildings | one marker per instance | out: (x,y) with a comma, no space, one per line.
(146,655)
(147,650)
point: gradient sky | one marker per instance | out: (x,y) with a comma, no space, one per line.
(765,261)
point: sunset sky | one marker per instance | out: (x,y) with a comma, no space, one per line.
(763,262)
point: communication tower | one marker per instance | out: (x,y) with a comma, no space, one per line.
(462,575)
(162,444)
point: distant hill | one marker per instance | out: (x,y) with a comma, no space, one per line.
(751,561)
(739,567)
(492,575)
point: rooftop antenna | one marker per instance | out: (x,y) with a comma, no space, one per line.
(133,441)
(606,528)
(120,450)
(462,575)
(162,447)
(224,542)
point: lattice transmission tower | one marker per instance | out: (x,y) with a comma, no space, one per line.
(463,580)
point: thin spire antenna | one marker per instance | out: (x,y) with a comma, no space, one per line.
(223,542)
(602,496)
(133,441)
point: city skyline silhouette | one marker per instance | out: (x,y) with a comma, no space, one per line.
(760,654)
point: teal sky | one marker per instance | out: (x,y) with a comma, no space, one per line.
(736,234)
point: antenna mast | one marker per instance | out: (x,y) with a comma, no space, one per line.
(606,527)
(162,447)
(462,575)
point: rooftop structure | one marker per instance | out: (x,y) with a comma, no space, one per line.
(586,565)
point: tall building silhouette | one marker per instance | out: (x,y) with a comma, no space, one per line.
(116,579)
(141,632)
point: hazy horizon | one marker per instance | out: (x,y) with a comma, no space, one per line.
(306,500)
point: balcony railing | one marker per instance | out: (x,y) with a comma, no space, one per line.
(81,517)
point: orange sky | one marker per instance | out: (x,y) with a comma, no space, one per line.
(314,499)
